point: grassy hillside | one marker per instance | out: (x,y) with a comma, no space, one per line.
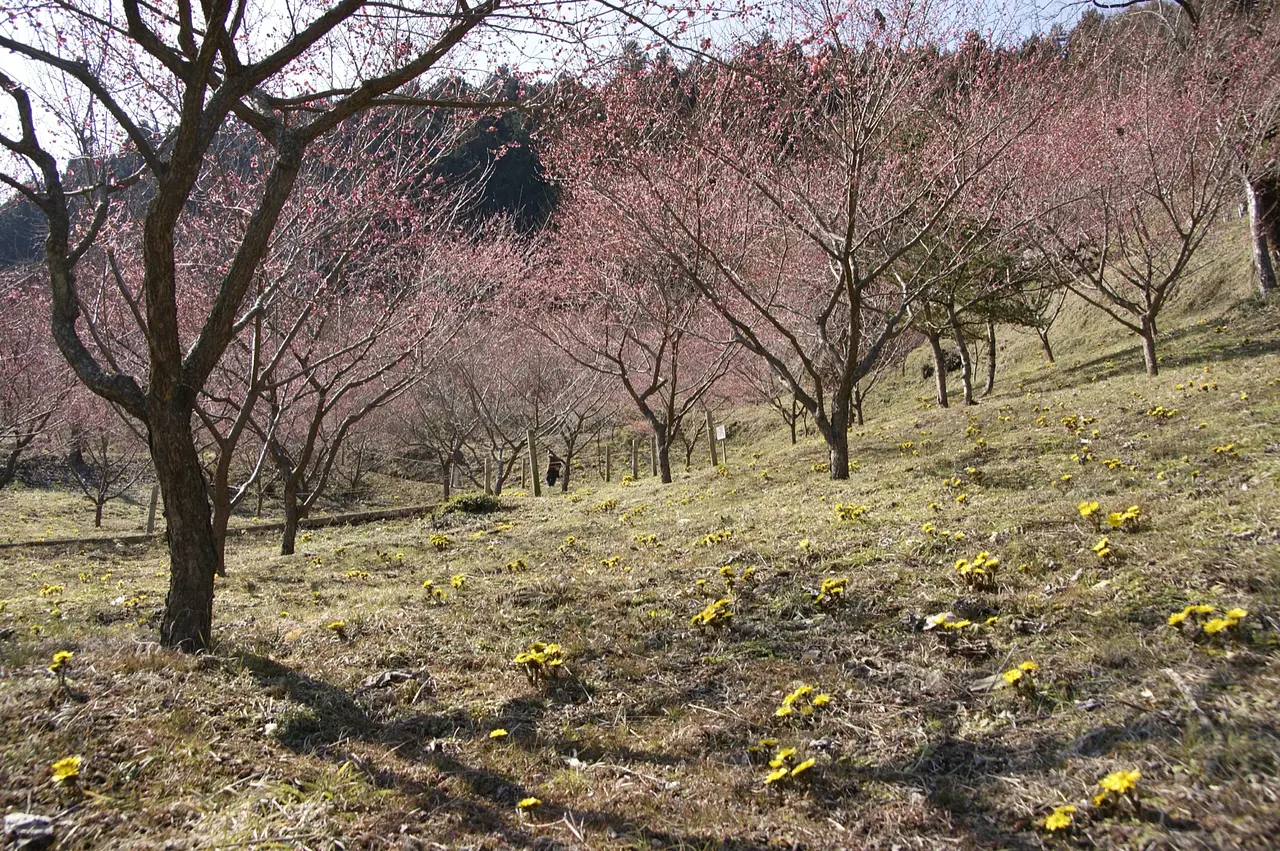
(348,705)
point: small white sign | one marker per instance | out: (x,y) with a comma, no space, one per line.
(719,432)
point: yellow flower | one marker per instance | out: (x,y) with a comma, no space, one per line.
(1028,666)
(1121,781)
(821,700)
(1201,609)
(962,498)
(498,734)
(782,758)
(59,659)
(1232,614)
(1178,617)
(337,626)
(529,803)
(776,775)
(1059,819)
(1088,509)
(803,767)
(1217,625)
(66,769)
(1012,676)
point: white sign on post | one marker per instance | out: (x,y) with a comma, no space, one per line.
(720,432)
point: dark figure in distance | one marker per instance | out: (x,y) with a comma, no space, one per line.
(555,464)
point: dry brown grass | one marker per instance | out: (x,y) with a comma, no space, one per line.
(650,739)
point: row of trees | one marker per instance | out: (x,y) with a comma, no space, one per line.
(283,263)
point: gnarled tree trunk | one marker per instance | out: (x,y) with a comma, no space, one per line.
(1263,200)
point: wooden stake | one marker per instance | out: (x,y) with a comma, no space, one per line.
(635,459)
(533,464)
(711,439)
(488,478)
(653,455)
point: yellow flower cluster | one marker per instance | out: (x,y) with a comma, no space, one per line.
(1160,412)
(803,701)
(1022,678)
(541,661)
(714,614)
(717,537)
(980,573)
(435,595)
(850,511)
(832,591)
(356,574)
(440,541)
(933,531)
(1102,549)
(61,658)
(605,506)
(1214,626)
(731,579)
(1059,819)
(783,768)
(1117,785)
(515,565)
(1126,520)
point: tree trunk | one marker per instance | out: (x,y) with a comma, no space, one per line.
(991,360)
(939,367)
(1263,200)
(1148,335)
(795,415)
(1043,334)
(288,539)
(193,554)
(97,513)
(966,359)
(664,461)
(857,405)
(836,433)
(221,520)
(447,470)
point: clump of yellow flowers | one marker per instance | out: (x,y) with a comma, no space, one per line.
(1022,678)
(542,661)
(850,511)
(715,614)
(832,591)
(1126,520)
(440,541)
(1092,512)
(804,701)
(1059,819)
(785,768)
(980,572)
(1214,626)
(1118,786)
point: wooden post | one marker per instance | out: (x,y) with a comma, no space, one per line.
(533,464)
(711,439)
(653,455)
(608,463)
(524,475)
(151,512)
(635,459)
(488,478)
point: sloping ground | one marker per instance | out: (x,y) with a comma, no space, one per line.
(658,734)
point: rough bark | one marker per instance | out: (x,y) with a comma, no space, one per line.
(939,367)
(1263,201)
(188,616)
(966,357)
(1043,334)
(1148,335)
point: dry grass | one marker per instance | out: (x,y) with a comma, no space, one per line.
(650,738)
